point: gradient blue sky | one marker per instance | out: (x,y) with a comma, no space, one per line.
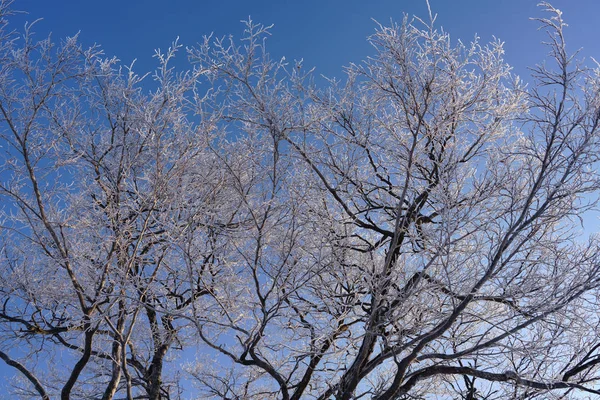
(327,34)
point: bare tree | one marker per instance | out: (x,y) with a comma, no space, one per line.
(407,233)
(102,187)
(437,250)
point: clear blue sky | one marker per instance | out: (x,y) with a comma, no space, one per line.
(327,34)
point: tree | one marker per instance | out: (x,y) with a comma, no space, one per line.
(97,210)
(410,232)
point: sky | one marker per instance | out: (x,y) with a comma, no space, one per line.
(326,34)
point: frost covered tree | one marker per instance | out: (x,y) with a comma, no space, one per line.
(409,232)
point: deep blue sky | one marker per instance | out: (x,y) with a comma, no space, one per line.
(327,34)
